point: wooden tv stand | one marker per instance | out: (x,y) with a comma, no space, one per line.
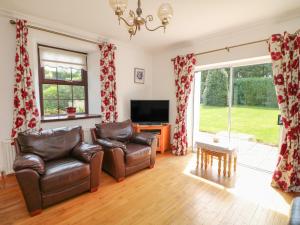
(162,131)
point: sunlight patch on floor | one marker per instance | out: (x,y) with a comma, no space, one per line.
(248,184)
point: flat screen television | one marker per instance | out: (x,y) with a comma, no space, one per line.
(149,111)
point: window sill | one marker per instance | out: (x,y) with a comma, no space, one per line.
(48,119)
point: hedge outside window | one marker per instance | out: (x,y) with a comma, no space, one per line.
(63,81)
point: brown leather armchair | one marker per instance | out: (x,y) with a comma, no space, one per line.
(125,152)
(53,165)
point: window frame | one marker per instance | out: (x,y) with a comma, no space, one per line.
(43,80)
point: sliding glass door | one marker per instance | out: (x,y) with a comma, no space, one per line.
(238,103)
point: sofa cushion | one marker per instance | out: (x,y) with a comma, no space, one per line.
(50,144)
(121,131)
(63,173)
(136,153)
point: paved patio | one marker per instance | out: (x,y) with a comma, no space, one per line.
(250,153)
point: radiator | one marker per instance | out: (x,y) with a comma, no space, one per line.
(7,157)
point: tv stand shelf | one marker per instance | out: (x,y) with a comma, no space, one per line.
(162,132)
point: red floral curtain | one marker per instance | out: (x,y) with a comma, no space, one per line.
(108,83)
(285,55)
(26,114)
(184,75)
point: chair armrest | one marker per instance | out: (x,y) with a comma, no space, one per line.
(108,144)
(29,161)
(144,138)
(85,152)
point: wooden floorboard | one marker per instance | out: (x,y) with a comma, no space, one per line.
(173,192)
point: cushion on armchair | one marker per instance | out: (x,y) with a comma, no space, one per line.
(121,131)
(50,144)
(136,153)
(63,173)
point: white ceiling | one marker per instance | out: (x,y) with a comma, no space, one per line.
(192,18)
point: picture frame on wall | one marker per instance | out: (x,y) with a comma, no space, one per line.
(139,75)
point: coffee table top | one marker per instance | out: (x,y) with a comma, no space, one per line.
(222,146)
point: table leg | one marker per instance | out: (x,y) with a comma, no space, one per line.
(206,159)
(198,155)
(234,165)
(229,165)
(219,166)
(225,165)
(202,158)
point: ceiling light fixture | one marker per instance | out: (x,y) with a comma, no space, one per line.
(135,20)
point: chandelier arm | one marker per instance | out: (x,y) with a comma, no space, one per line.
(125,21)
(135,30)
(149,18)
(153,29)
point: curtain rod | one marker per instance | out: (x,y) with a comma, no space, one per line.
(57,33)
(229,47)
(236,46)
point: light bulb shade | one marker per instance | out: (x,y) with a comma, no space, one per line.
(118,4)
(165,12)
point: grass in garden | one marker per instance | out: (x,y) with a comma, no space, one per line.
(258,121)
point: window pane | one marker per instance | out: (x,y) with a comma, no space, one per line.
(49,91)
(50,107)
(50,72)
(79,105)
(255,108)
(65,91)
(78,92)
(63,73)
(63,104)
(76,75)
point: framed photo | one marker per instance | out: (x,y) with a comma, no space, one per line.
(139,76)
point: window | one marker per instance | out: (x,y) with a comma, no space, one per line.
(63,81)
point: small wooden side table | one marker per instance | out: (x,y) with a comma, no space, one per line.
(221,150)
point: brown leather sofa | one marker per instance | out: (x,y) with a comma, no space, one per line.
(53,165)
(125,152)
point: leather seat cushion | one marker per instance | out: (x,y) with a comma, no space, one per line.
(136,153)
(63,173)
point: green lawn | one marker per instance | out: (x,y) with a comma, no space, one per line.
(258,121)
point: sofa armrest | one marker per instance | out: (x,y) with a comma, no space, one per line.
(144,138)
(29,181)
(29,161)
(85,152)
(108,144)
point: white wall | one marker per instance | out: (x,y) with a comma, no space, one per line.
(128,57)
(163,77)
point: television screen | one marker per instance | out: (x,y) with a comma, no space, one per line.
(149,111)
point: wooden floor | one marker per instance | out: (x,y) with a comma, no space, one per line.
(174,192)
